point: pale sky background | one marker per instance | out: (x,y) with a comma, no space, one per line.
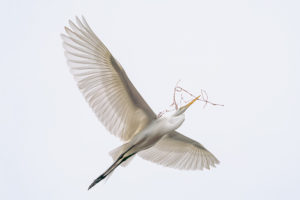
(245,54)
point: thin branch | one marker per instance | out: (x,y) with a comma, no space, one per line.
(203,97)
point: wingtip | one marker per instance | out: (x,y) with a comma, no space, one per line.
(62,35)
(66,29)
(77,20)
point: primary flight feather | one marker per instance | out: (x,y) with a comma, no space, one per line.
(123,111)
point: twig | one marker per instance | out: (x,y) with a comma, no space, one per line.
(203,97)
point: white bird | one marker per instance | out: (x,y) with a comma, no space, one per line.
(123,111)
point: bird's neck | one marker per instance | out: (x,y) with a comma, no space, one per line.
(175,121)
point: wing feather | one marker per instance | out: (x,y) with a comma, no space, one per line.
(104,83)
(178,151)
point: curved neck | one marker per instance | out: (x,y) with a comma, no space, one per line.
(175,120)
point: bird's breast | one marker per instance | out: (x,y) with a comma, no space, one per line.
(151,134)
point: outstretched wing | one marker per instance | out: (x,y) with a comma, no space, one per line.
(104,83)
(178,151)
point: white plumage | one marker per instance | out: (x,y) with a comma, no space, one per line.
(122,110)
(178,151)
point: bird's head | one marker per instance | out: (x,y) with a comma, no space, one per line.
(182,109)
(177,118)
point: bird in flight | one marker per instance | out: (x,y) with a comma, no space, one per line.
(123,111)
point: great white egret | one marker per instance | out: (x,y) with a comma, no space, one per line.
(123,111)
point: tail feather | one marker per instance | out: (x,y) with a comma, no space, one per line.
(127,161)
(117,152)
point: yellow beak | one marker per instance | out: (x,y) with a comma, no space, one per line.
(183,108)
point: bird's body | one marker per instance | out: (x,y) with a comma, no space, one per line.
(124,112)
(155,131)
(145,139)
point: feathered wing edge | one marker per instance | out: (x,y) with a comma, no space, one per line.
(180,152)
(104,83)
